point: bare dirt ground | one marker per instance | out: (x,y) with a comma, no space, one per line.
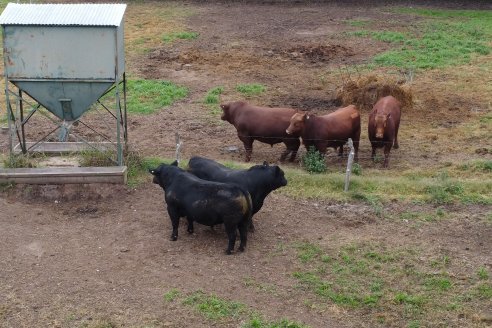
(88,255)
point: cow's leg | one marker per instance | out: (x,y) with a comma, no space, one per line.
(231,234)
(395,144)
(248,146)
(340,151)
(292,146)
(373,154)
(387,149)
(243,233)
(356,140)
(174,215)
(356,151)
(251,226)
(190,225)
(284,154)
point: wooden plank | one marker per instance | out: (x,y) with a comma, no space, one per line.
(65,175)
(54,147)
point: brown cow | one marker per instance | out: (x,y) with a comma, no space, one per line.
(264,124)
(331,130)
(384,121)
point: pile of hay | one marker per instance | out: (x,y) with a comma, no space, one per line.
(365,91)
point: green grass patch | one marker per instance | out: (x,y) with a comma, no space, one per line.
(171,37)
(307,251)
(148,96)
(484,166)
(219,310)
(449,38)
(422,216)
(214,307)
(432,186)
(171,295)
(482,273)
(249,90)
(358,22)
(372,279)
(19,161)
(283,323)
(212,100)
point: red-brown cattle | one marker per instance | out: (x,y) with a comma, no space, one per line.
(264,124)
(331,130)
(384,121)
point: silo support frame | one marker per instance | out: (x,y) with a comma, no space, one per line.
(18,119)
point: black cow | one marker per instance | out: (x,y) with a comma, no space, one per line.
(258,180)
(205,202)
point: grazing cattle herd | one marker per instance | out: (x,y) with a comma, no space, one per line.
(210,193)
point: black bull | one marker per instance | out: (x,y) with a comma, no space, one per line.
(258,180)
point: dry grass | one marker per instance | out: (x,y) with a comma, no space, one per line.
(367,89)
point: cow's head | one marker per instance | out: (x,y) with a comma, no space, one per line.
(225,112)
(279,179)
(380,122)
(159,172)
(297,122)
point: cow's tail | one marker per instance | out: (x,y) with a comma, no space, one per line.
(249,213)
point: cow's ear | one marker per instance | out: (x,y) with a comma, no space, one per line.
(175,163)
(265,163)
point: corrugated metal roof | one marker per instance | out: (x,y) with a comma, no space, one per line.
(63,14)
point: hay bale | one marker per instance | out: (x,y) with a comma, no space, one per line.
(365,91)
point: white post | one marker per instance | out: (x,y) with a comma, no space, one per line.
(349,164)
(178,148)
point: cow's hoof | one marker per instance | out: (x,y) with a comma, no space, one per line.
(190,231)
(174,238)
(241,249)
(396,146)
(228,252)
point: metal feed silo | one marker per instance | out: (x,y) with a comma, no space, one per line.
(65,58)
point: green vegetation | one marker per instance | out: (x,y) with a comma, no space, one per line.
(137,166)
(483,274)
(148,96)
(171,37)
(212,100)
(374,279)
(218,309)
(430,186)
(97,158)
(449,38)
(19,161)
(171,295)
(313,161)
(422,216)
(214,307)
(249,90)
(260,323)
(358,22)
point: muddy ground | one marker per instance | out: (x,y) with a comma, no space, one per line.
(88,255)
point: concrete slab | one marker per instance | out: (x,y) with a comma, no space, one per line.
(65,175)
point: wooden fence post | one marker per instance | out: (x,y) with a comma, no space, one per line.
(349,164)
(178,148)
